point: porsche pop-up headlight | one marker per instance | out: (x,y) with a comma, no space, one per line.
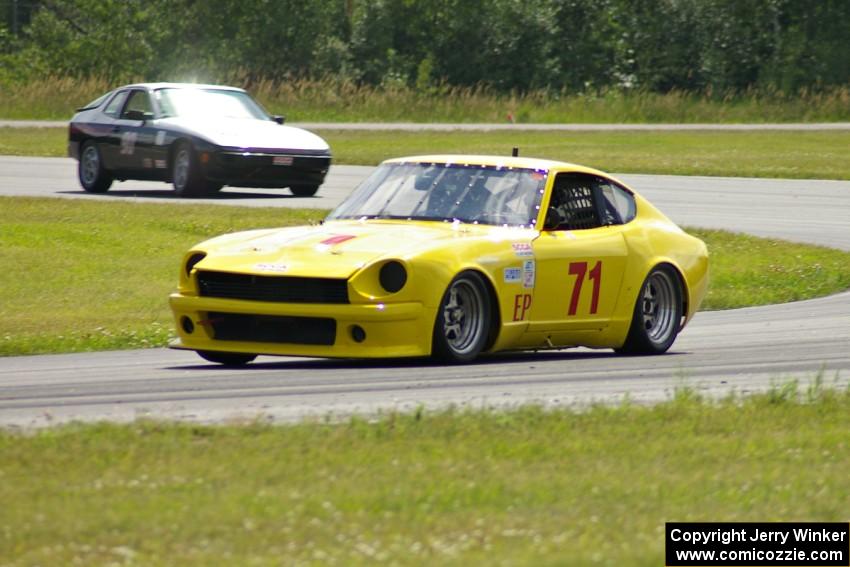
(392,276)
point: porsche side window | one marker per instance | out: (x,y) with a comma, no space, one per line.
(572,205)
(618,204)
(114,107)
(139,103)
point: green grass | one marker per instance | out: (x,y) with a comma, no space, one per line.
(86,275)
(47,142)
(746,270)
(522,487)
(783,154)
(341,101)
(93,276)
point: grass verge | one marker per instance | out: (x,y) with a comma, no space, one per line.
(86,275)
(784,154)
(522,487)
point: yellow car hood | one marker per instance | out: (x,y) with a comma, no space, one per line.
(333,250)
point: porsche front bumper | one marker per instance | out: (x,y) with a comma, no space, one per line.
(265,169)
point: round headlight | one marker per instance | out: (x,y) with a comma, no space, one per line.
(393,276)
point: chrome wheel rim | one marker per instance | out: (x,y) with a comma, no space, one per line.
(90,165)
(181,168)
(658,307)
(463,320)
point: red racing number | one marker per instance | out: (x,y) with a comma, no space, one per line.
(579,270)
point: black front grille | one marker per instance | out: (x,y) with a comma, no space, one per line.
(289,160)
(272,329)
(278,289)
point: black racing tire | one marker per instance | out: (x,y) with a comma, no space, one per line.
(464,318)
(304,190)
(227,358)
(186,172)
(657,315)
(93,176)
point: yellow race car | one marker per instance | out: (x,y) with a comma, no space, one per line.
(449,256)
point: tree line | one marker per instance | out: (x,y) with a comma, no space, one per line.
(718,46)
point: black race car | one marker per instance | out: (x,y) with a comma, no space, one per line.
(198,137)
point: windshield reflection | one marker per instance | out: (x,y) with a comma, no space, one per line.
(193,102)
(447,192)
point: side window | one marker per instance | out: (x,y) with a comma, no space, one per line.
(618,205)
(114,106)
(139,102)
(572,205)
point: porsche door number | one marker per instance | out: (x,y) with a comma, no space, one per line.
(128,143)
(580,271)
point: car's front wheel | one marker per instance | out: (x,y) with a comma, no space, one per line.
(463,320)
(304,190)
(227,358)
(657,314)
(186,172)
(93,176)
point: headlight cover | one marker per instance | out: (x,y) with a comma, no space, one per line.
(393,276)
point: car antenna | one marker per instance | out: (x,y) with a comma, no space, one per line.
(515,152)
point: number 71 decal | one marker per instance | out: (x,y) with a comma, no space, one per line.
(579,270)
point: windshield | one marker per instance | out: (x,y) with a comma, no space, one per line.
(190,102)
(438,191)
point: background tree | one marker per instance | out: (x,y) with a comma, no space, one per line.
(718,46)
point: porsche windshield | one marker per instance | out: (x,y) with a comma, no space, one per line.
(439,191)
(207,103)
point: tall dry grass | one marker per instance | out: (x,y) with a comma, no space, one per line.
(332,100)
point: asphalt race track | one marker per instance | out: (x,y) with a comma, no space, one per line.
(742,350)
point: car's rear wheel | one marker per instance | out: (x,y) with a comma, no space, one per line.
(93,176)
(226,358)
(186,172)
(304,190)
(463,320)
(657,315)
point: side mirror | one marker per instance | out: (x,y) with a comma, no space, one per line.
(279,119)
(554,218)
(134,115)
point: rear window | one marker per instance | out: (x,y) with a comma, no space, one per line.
(95,103)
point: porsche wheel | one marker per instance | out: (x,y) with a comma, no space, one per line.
(186,172)
(226,358)
(93,177)
(657,314)
(463,320)
(304,190)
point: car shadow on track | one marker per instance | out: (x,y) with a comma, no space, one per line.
(167,194)
(348,364)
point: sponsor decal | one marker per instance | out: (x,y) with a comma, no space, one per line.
(277,268)
(282,160)
(337,239)
(522,249)
(513,275)
(528,270)
(147,163)
(160,164)
(160,137)
(128,143)
(522,303)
